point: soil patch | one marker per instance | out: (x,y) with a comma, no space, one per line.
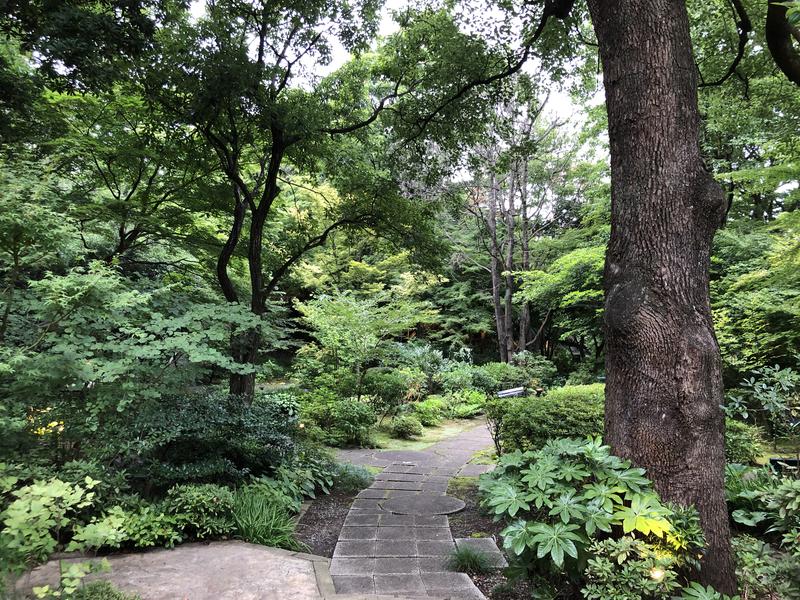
(320,526)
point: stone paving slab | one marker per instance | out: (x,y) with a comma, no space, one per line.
(423,504)
(215,571)
(396,540)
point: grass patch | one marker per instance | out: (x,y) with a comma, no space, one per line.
(460,487)
(484,457)
(430,435)
(260,519)
(469,560)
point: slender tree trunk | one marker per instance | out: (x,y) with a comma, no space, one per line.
(494,267)
(664,386)
(525,232)
(508,267)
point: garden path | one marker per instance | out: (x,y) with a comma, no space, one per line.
(396,539)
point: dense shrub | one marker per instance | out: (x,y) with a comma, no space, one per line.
(389,389)
(260,519)
(464,404)
(405,427)
(418,356)
(492,377)
(538,369)
(455,376)
(206,510)
(569,411)
(207,437)
(349,478)
(573,509)
(345,422)
(430,411)
(743,442)
(584,375)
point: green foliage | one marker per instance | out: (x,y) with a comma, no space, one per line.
(743,442)
(560,499)
(343,422)
(389,389)
(353,331)
(539,370)
(205,510)
(151,526)
(466,559)
(36,520)
(205,437)
(101,590)
(430,411)
(405,427)
(260,519)
(695,591)
(763,572)
(493,377)
(528,423)
(628,569)
(349,478)
(770,396)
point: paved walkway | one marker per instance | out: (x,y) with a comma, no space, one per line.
(396,539)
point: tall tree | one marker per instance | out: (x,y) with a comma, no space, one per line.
(664,386)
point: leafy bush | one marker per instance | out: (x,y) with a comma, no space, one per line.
(349,478)
(464,404)
(260,519)
(623,569)
(208,437)
(151,526)
(205,510)
(405,427)
(430,411)
(583,375)
(743,442)
(101,590)
(538,369)
(562,498)
(302,478)
(465,559)
(343,422)
(569,411)
(389,389)
(38,518)
(763,572)
(492,377)
(455,377)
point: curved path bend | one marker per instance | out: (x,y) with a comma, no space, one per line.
(396,539)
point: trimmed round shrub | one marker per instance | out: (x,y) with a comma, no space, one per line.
(405,427)
(571,411)
(346,422)
(430,411)
(743,442)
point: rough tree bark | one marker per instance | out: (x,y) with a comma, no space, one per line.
(664,387)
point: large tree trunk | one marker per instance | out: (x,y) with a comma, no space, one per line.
(664,386)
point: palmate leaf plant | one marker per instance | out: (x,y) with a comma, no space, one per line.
(563,499)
